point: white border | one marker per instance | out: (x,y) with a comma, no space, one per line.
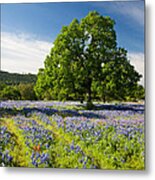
(70,174)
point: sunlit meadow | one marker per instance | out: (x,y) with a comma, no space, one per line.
(65,135)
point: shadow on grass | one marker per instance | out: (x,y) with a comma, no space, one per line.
(28,111)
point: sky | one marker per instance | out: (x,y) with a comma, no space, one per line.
(28,30)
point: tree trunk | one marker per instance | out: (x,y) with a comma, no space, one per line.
(89,95)
(89,91)
(104,99)
(89,98)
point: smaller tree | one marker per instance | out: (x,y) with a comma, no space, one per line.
(10,93)
(2,86)
(39,84)
(27,91)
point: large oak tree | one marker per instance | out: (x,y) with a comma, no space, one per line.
(85,60)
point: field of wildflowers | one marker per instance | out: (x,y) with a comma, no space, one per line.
(65,135)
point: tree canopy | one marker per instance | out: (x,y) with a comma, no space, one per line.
(85,63)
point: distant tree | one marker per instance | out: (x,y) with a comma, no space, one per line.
(10,93)
(85,60)
(2,85)
(27,91)
(42,86)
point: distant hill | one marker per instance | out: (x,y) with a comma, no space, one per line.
(15,78)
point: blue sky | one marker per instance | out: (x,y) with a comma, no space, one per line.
(37,25)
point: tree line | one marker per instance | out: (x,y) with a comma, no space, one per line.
(15,78)
(14,86)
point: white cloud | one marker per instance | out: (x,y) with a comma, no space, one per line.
(137,60)
(133,9)
(22,53)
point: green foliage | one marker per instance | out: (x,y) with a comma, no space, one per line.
(10,92)
(2,85)
(15,78)
(119,78)
(85,63)
(42,89)
(27,91)
(139,93)
(15,86)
